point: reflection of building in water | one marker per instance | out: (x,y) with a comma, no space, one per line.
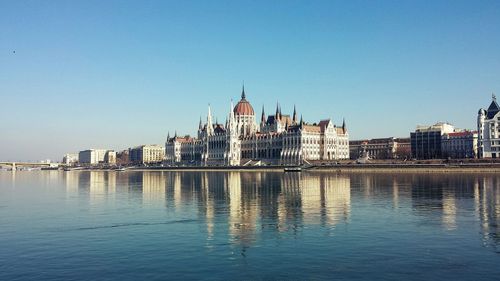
(261,203)
(326,198)
(98,185)
(243,209)
(153,188)
(439,196)
(337,198)
(395,193)
(449,210)
(72,183)
(289,202)
(208,202)
(488,205)
(177,184)
(310,191)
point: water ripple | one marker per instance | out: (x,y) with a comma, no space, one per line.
(132,224)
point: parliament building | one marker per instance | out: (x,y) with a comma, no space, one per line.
(279,139)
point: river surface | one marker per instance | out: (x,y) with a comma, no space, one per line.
(98,225)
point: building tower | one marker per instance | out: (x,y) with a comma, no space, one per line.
(233,151)
(244,116)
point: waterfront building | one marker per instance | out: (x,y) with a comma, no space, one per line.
(96,156)
(381,148)
(147,154)
(91,156)
(488,127)
(459,145)
(403,148)
(122,157)
(110,157)
(70,158)
(426,140)
(278,139)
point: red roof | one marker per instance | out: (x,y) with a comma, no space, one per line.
(462,134)
(243,107)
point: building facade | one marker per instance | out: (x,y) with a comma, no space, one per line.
(459,145)
(488,127)
(122,157)
(382,148)
(426,140)
(70,158)
(146,154)
(96,156)
(278,139)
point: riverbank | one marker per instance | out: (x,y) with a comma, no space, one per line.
(340,168)
(411,168)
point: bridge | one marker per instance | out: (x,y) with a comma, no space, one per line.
(28,164)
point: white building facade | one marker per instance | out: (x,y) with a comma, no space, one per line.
(278,139)
(70,158)
(458,145)
(147,154)
(488,128)
(96,156)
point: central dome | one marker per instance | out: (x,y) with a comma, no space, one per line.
(243,107)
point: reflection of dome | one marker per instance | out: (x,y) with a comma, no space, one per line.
(243,107)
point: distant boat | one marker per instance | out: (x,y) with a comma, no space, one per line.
(293,169)
(121,169)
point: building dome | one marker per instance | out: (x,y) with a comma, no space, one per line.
(243,107)
(482,112)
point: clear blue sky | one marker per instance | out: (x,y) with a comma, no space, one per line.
(115,74)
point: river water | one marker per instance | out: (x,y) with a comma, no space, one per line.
(154,225)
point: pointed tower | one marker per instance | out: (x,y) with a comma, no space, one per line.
(168,136)
(294,118)
(232,153)
(263,116)
(232,122)
(210,128)
(493,109)
(277,114)
(243,96)
(344,128)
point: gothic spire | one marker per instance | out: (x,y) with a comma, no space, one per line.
(243,96)
(230,125)
(231,112)
(200,126)
(343,125)
(277,115)
(168,136)
(294,118)
(263,117)
(210,128)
